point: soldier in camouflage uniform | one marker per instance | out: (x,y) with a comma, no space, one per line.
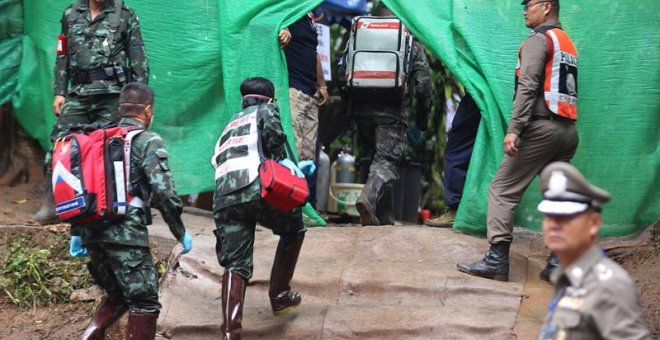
(253,133)
(99,50)
(121,261)
(382,130)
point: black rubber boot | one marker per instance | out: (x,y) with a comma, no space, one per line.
(551,265)
(110,310)
(385,207)
(494,265)
(46,213)
(141,325)
(368,201)
(282,298)
(233,299)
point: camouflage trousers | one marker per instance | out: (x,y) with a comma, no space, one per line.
(235,226)
(385,139)
(127,272)
(93,109)
(305,122)
(80,110)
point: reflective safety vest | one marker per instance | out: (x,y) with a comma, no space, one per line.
(561,71)
(237,152)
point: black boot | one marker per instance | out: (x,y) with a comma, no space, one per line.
(282,298)
(233,298)
(110,310)
(494,265)
(141,325)
(385,207)
(551,265)
(368,201)
(46,213)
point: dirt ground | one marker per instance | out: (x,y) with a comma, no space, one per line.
(65,321)
(60,321)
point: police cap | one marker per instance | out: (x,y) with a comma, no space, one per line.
(567,192)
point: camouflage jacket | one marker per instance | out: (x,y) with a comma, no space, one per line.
(149,169)
(87,48)
(419,80)
(272,139)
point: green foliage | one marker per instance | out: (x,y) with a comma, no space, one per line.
(32,276)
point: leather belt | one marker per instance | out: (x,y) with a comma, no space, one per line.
(553,117)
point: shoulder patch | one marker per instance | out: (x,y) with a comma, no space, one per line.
(604,272)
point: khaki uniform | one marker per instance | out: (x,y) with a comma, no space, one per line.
(541,141)
(305,122)
(595,299)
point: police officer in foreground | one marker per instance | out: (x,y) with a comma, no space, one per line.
(253,134)
(595,298)
(99,50)
(120,259)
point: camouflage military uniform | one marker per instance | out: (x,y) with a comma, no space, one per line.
(86,50)
(382,131)
(237,213)
(120,259)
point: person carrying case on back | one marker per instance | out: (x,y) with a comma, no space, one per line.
(109,222)
(248,147)
(384,69)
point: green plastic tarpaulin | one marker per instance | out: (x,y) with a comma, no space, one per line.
(200,51)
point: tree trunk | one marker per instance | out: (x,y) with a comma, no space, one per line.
(21,159)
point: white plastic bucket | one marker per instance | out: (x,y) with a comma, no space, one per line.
(342,198)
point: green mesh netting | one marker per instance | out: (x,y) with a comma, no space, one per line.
(11,34)
(200,51)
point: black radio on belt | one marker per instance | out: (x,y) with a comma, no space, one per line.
(121,76)
(115,72)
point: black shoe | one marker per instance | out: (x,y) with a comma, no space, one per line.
(494,265)
(550,266)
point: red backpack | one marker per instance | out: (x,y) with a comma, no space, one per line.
(90,174)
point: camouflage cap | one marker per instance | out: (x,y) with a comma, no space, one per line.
(567,192)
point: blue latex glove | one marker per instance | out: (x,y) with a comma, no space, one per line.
(291,166)
(186,241)
(307,167)
(414,133)
(76,249)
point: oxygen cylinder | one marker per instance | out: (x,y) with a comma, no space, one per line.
(322,180)
(345,166)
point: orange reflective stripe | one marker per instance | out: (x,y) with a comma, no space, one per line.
(374,74)
(560,74)
(567,110)
(562,56)
(565,42)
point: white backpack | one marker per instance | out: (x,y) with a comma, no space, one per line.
(378,57)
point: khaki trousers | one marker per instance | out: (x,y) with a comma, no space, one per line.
(305,122)
(541,143)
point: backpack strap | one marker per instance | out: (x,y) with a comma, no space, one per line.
(121,185)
